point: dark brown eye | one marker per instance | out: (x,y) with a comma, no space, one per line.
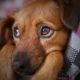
(16,32)
(45,31)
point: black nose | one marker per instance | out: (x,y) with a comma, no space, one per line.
(21,65)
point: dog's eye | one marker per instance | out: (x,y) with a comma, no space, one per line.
(16,32)
(45,31)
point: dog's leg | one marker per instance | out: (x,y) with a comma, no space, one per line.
(50,68)
(5,62)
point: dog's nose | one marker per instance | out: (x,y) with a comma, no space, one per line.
(21,65)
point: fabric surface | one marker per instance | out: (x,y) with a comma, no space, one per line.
(72,57)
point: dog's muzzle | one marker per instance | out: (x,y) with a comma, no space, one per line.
(24,64)
(21,64)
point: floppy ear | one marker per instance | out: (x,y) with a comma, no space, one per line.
(6,30)
(70,12)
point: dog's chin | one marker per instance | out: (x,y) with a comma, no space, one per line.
(23,77)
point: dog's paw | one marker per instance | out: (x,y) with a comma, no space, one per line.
(50,68)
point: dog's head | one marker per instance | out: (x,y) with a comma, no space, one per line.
(36,31)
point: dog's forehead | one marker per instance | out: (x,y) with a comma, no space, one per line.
(42,9)
(48,11)
(39,8)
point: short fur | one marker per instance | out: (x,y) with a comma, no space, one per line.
(46,55)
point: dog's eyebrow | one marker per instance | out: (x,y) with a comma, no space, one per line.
(52,25)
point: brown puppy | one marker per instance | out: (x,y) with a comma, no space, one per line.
(32,42)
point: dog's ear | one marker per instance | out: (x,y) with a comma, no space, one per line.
(70,12)
(6,30)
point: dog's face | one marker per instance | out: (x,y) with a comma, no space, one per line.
(36,32)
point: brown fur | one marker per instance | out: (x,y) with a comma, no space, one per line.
(46,54)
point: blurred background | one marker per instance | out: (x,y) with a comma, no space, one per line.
(8,6)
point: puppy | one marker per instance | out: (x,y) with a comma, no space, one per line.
(32,42)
